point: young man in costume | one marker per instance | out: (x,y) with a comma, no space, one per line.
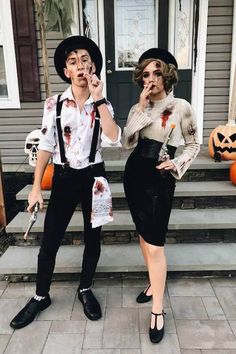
(74,142)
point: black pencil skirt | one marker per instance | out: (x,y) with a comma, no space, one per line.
(149,195)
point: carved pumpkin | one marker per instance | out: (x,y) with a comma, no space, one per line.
(47,177)
(222,142)
(232,173)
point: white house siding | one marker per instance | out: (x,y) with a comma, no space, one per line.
(218,61)
(15,124)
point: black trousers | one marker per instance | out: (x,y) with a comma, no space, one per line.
(69,187)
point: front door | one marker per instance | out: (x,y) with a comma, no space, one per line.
(131,27)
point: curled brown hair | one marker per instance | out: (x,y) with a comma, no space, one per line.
(168,71)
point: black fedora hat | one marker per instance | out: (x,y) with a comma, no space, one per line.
(76,42)
(159,53)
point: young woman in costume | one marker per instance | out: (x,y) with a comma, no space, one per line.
(156,126)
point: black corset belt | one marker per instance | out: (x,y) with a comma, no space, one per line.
(150,148)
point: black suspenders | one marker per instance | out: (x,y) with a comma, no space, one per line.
(93,149)
(64,160)
(95,136)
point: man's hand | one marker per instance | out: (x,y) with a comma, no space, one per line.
(34,197)
(95,86)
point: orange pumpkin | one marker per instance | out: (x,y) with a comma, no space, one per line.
(47,177)
(232,173)
(222,142)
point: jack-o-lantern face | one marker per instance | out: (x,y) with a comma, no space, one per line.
(222,142)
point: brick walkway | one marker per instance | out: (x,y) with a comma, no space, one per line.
(201,319)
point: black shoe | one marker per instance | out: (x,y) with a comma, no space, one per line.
(143,297)
(155,334)
(29,312)
(91,306)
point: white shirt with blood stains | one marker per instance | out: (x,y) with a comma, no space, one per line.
(77,131)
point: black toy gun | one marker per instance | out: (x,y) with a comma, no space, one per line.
(32,220)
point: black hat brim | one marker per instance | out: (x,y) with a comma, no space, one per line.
(161,54)
(76,42)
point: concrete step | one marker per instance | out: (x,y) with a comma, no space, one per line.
(113,155)
(188,195)
(183,189)
(179,220)
(203,168)
(124,258)
(185,226)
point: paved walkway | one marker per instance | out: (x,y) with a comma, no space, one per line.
(201,319)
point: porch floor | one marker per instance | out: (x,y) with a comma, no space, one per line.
(201,319)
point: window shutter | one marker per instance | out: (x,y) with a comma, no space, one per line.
(26,49)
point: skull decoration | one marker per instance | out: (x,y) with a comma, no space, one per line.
(222,142)
(31,146)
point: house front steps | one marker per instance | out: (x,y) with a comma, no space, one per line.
(201,236)
(188,195)
(191,225)
(20,263)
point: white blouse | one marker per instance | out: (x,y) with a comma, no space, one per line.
(77,131)
(155,123)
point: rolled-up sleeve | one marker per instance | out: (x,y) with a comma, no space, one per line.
(136,121)
(47,141)
(191,147)
(105,141)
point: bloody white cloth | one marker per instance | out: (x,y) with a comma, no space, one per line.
(102,212)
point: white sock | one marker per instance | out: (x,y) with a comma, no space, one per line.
(81,290)
(39,298)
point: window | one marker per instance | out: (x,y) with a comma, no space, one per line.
(89,20)
(3,80)
(135,30)
(9,93)
(183,33)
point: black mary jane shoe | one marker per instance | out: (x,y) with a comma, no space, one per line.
(155,334)
(90,304)
(143,297)
(29,312)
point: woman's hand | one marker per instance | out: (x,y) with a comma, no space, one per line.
(166,165)
(34,197)
(144,96)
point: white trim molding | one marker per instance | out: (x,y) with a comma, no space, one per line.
(100,31)
(12,101)
(101,39)
(75,28)
(171,26)
(198,77)
(233,56)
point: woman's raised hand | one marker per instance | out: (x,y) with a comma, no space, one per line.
(144,96)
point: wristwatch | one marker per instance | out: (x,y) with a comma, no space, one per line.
(99,102)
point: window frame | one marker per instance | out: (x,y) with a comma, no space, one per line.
(7,41)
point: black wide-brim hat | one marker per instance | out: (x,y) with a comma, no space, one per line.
(70,44)
(161,54)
